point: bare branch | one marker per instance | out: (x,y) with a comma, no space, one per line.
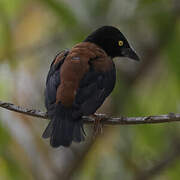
(26,111)
(171,117)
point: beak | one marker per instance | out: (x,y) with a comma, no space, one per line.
(128,52)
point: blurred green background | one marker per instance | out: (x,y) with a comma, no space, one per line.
(32,32)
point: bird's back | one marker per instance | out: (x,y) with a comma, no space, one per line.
(93,88)
(78,82)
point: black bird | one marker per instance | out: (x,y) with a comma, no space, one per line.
(78,82)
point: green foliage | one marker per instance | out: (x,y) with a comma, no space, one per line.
(173,54)
(10,168)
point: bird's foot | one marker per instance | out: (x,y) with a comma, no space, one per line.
(98,126)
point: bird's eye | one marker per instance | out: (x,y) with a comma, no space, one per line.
(120,43)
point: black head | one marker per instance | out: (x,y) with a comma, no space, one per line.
(113,42)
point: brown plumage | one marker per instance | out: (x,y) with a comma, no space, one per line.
(75,65)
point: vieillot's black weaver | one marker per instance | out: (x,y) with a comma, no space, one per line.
(78,82)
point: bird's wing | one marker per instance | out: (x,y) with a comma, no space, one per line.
(94,88)
(53,79)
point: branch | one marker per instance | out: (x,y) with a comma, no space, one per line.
(171,117)
(26,111)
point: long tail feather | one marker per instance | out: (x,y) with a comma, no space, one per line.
(63,129)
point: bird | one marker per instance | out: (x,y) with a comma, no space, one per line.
(79,81)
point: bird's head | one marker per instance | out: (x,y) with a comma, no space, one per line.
(113,42)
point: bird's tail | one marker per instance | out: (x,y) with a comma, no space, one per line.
(64,128)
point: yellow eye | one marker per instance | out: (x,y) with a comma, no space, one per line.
(120,43)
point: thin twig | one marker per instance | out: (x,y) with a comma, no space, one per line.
(171,117)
